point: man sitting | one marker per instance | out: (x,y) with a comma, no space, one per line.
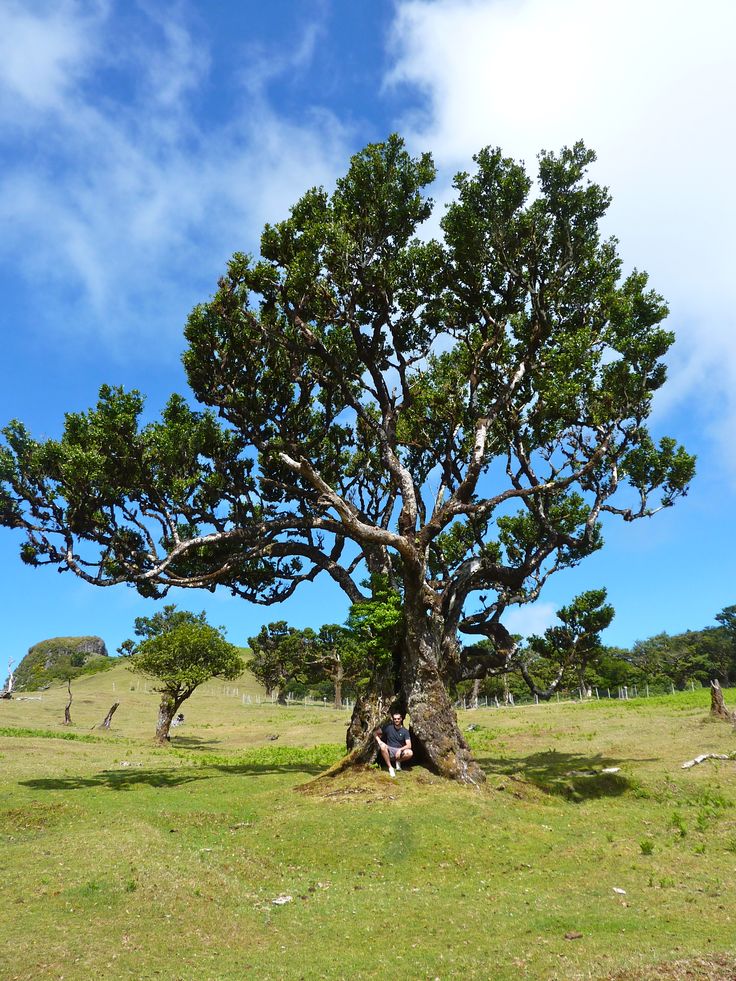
(394,743)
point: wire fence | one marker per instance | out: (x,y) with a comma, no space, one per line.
(594,693)
(467,703)
(251,698)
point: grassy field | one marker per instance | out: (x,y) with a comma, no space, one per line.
(124,860)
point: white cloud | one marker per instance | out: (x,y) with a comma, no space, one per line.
(528,620)
(43,53)
(651,86)
(126,206)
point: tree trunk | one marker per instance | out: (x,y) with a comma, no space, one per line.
(67,707)
(476,693)
(370,712)
(167,709)
(105,724)
(436,739)
(7,692)
(338,685)
(718,706)
(506,692)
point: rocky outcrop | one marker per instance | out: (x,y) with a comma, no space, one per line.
(58,658)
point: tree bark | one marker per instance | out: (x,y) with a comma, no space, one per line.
(476,693)
(67,707)
(7,692)
(167,709)
(506,691)
(370,712)
(436,739)
(338,684)
(718,706)
(105,724)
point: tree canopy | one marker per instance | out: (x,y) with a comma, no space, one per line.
(180,651)
(455,414)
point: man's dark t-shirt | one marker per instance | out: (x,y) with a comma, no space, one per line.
(395,737)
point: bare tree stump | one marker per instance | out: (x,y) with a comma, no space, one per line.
(67,707)
(7,692)
(476,693)
(718,706)
(105,724)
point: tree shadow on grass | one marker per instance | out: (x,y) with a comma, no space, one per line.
(574,776)
(116,780)
(193,742)
(129,779)
(261,769)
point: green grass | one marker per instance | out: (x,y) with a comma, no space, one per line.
(127,860)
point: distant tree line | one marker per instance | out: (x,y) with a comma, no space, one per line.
(340,661)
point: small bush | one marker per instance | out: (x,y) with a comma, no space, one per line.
(678,823)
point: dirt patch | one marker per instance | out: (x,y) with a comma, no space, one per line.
(716,968)
(360,785)
(37,816)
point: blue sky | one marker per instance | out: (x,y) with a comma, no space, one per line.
(142,143)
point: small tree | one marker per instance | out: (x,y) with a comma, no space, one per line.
(568,649)
(180,651)
(333,657)
(279,655)
(68,706)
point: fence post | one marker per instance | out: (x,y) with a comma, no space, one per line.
(647,689)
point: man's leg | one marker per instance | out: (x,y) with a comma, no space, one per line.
(386,757)
(403,756)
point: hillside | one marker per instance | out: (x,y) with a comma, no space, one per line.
(58,658)
(94,693)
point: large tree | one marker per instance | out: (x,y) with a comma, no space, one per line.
(453,415)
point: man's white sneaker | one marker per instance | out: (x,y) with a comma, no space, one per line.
(398,765)
(391,772)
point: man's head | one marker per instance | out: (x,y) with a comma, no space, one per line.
(397,718)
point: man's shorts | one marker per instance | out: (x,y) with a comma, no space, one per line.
(393,750)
